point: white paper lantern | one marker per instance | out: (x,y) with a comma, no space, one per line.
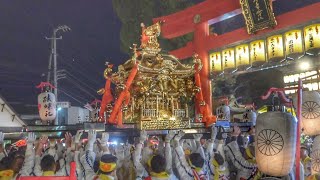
(275,143)
(47,106)
(315,156)
(316,142)
(310,112)
(223,112)
(250,116)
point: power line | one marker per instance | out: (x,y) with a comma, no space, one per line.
(77,79)
(71,96)
(80,70)
(84,99)
(80,87)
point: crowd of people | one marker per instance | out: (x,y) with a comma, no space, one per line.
(223,156)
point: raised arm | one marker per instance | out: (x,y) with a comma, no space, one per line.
(168,151)
(140,171)
(233,151)
(87,160)
(29,159)
(79,168)
(2,150)
(183,168)
(37,168)
(199,148)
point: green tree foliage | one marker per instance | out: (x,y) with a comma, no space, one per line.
(133,12)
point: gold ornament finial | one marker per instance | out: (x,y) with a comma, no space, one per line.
(149,37)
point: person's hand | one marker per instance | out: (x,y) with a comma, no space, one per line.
(1,137)
(197,137)
(92,136)
(221,134)
(236,131)
(169,136)
(214,132)
(143,136)
(43,140)
(104,139)
(77,137)
(31,138)
(179,136)
(68,139)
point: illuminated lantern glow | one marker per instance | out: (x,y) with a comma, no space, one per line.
(310,112)
(275,48)
(275,143)
(312,39)
(47,106)
(294,45)
(216,64)
(257,53)
(243,57)
(228,60)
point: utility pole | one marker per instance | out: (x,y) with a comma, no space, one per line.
(54,39)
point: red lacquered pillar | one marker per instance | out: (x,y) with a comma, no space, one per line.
(201,34)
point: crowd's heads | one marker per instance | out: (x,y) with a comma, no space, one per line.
(304,152)
(196,160)
(107,164)
(48,163)
(158,164)
(17,163)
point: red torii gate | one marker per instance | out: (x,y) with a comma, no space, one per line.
(197,18)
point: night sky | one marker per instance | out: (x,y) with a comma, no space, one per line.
(24,51)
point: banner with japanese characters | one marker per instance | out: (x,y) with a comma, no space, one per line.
(258,15)
(47,106)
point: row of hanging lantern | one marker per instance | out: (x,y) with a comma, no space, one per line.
(293,44)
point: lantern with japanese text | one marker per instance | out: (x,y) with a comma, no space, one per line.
(275,142)
(275,48)
(294,45)
(310,112)
(243,57)
(228,60)
(47,106)
(250,116)
(223,112)
(312,39)
(316,142)
(257,53)
(216,65)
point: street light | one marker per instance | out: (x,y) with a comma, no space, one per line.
(64,28)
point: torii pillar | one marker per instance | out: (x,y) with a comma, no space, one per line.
(201,33)
(195,19)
